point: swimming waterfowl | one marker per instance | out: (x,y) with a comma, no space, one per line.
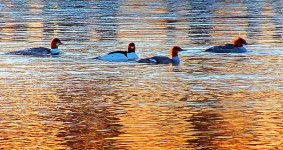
(121,55)
(172,59)
(41,51)
(235,47)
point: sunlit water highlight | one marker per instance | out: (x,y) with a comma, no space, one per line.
(209,101)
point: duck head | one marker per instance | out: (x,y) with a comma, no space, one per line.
(131,47)
(239,42)
(55,43)
(174,51)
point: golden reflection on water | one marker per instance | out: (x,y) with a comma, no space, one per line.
(22,125)
(208,102)
(146,127)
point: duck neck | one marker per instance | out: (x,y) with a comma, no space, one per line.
(131,50)
(173,53)
(55,51)
(175,59)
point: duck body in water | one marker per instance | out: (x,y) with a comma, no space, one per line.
(41,51)
(172,59)
(120,56)
(237,46)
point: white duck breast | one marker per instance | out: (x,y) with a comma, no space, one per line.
(176,60)
(132,56)
(55,51)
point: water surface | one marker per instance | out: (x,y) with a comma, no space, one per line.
(209,101)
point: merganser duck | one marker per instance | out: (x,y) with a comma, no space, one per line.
(172,59)
(121,55)
(41,51)
(235,47)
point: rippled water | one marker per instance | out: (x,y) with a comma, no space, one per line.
(209,101)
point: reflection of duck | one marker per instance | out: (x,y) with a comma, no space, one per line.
(41,51)
(235,47)
(121,55)
(173,57)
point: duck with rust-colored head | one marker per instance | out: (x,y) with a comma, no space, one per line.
(41,51)
(237,46)
(172,59)
(118,56)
